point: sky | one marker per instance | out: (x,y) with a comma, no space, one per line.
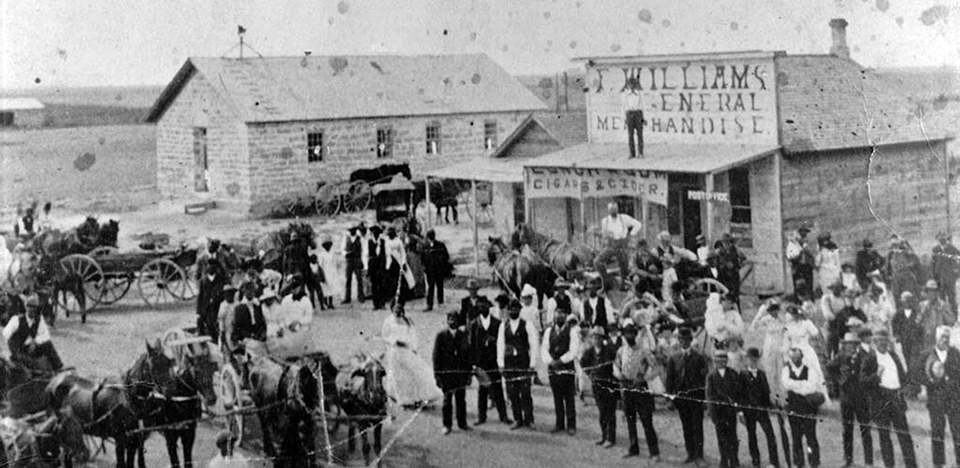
(144,42)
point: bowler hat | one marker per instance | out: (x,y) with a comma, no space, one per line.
(685,332)
(850,337)
(882,334)
(376,229)
(472,285)
(803,229)
(753,353)
(867,243)
(32,302)
(720,353)
(514,305)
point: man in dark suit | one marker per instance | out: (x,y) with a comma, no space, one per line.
(473,304)
(686,378)
(248,321)
(755,395)
(943,388)
(376,264)
(436,266)
(907,325)
(597,361)
(353,254)
(723,402)
(888,385)
(559,348)
(482,334)
(451,367)
(945,267)
(848,370)
(208,298)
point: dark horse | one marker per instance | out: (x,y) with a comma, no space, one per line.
(364,399)
(286,396)
(563,257)
(54,283)
(179,411)
(512,269)
(443,195)
(113,409)
(381,174)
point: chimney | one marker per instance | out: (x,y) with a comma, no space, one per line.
(839,46)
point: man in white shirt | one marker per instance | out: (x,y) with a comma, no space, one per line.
(517,343)
(801,381)
(890,409)
(616,230)
(703,250)
(561,296)
(560,346)
(28,339)
(597,308)
(633,114)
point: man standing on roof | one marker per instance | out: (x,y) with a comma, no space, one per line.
(616,230)
(633,110)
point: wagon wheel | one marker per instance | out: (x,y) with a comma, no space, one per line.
(90,274)
(192,286)
(358,196)
(161,282)
(114,287)
(327,200)
(465,203)
(102,251)
(229,399)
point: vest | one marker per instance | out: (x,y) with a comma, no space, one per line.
(801,376)
(16,342)
(598,317)
(354,247)
(560,344)
(517,346)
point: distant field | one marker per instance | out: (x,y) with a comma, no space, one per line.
(77,167)
(115,96)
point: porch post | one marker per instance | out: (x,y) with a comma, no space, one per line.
(427,206)
(645,218)
(476,235)
(708,187)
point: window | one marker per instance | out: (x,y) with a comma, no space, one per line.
(384,142)
(739,195)
(489,134)
(433,138)
(6,119)
(315,147)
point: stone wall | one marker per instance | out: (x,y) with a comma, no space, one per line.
(228,160)
(278,151)
(767,250)
(829,192)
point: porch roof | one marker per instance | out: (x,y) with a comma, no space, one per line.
(660,157)
(486,169)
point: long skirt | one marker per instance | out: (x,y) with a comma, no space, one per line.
(409,378)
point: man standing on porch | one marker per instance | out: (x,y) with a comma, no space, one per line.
(633,113)
(616,230)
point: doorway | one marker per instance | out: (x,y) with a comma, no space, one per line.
(201,174)
(683,214)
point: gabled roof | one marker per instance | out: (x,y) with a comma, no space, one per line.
(828,102)
(275,89)
(565,129)
(11,104)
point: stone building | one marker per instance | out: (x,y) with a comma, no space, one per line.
(21,113)
(250,132)
(753,143)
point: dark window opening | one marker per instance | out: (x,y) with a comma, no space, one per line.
(739,195)
(433,138)
(489,134)
(315,147)
(384,142)
(6,119)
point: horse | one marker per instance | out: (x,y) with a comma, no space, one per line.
(113,408)
(381,173)
(364,399)
(443,195)
(285,397)
(563,257)
(512,269)
(54,282)
(56,440)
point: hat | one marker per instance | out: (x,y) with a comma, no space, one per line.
(376,229)
(865,333)
(685,332)
(453,313)
(229,287)
(753,353)
(325,238)
(560,283)
(850,337)
(882,334)
(514,305)
(664,235)
(32,301)
(720,353)
(528,291)
(803,229)
(931,284)
(835,286)
(825,235)
(874,273)
(593,280)
(906,295)
(701,238)
(943,330)
(597,331)
(628,324)
(472,285)
(854,322)
(867,243)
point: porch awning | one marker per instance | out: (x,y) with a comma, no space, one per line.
(661,157)
(484,170)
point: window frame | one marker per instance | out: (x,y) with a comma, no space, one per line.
(437,138)
(387,141)
(740,213)
(311,158)
(490,142)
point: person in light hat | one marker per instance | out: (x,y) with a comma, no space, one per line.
(271,311)
(635,366)
(559,298)
(934,311)
(827,261)
(530,310)
(907,327)
(942,379)
(330,264)
(28,339)
(802,259)
(703,250)
(850,371)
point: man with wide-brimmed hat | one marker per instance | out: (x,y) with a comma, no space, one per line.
(849,370)
(436,267)
(451,367)
(942,379)
(517,346)
(945,267)
(375,265)
(597,360)
(634,366)
(889,407)
(685,382)
(561,298)
(472,305)
(28,339)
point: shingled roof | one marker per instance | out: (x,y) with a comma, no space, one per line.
(828,102)
(275,89)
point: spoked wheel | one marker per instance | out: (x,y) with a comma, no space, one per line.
(161,282)
(193,284)
(465,203)
(86,270)
(113,288)
(358,196)
(327,200)
(229,399)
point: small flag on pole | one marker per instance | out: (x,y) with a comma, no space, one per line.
(241,30)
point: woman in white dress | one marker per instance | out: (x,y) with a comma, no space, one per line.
(828,262)
(329,262)
(409,381)
(770,320)
(797,333)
